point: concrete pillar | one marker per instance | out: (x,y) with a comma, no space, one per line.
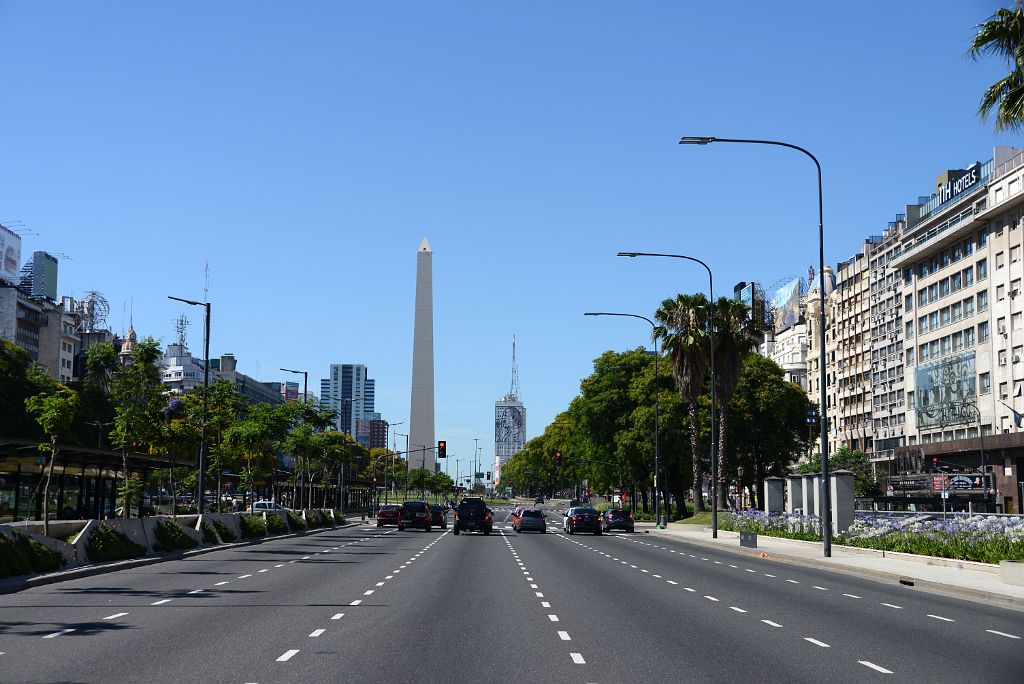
(774,493)
(810,500)
(794,493)
(842,482)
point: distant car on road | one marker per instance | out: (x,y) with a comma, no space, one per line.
(582,520)
(532,519)
(388,514)
(617,519)
(515,515)
(473,514)
(438,516)
(414,514)
(265,507)
(539,499)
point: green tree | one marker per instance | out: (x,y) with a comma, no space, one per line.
(734,340)
(683,333)
(439,484)
(845,458)
(768,430)
(1002,36)
(54,409)
(419,479)
(17,387)
(139,398)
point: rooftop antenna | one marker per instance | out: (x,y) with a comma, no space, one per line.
(206,286)
(514,391)
(181,327)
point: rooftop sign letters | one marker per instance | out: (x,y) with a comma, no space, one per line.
(953,188)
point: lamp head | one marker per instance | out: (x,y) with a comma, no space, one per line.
(696,140)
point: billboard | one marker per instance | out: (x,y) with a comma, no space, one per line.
(946,392)
(10,253)
(786,305)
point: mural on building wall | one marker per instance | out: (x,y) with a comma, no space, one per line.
(786,305)
(944,391)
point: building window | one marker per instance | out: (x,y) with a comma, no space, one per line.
(985,383)
(1014,254)
(982,300)
(910,356)
(982,332)
(1000,293)
(908,303)
(982,270)
(1016,320)
(1000,260)
(922,325)
(982,238)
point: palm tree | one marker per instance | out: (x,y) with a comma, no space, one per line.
(683,332)
(1002,35)
(734,340)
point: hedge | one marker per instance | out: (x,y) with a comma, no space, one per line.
(107,544)
(252,526)
(295,522)
(275,525)
(170,537)
(21,555)
(227,535)
(209,537)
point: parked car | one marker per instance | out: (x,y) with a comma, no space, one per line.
(533,519)
(582,520)
(414,514)
(473,514)
(264,506)
(617,519)
(389,514)
(438,516)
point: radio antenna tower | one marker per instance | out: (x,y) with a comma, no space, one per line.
(181,327)
(513,393)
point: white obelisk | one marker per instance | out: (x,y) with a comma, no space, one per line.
(421,418)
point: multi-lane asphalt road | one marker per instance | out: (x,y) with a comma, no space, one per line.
(378,605)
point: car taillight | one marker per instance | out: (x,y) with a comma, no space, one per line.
(576,517)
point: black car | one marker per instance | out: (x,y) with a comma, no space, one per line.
(617,519)
(438,516)
(414,514)
(473,514)
(582,520)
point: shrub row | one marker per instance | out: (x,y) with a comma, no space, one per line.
(107,544)
(295,522)
(209,537)
(275,525)
(170,537)
(21,555)
(252,526)
(227,535)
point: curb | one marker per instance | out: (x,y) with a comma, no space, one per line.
(880,576)
(16,584)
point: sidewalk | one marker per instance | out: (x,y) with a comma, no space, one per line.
(962,579)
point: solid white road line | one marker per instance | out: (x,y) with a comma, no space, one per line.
(892,606)
(939,617)
(578,659)
(337,616)
(817,643)
(1009,636)
(769,622)
(564,636)
(160,602)
(57,634)
(286,656)
(115,616)
(876,668)
(553,618)
(317,632)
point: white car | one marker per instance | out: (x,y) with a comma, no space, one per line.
(265,506)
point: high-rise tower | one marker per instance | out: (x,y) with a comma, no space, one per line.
(421,418)
(509,421)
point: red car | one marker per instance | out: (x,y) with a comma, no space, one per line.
(414,514)
(389,515)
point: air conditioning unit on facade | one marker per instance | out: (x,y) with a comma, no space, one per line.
(1016,359)
(1002,330)
(1002,362)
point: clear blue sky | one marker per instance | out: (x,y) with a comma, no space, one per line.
(305,149)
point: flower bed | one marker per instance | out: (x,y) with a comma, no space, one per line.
(987,539)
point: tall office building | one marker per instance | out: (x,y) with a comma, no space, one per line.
(350,393)
(39,276)
(421,410)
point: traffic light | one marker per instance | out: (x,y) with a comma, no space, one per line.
(442,448)
(558,458)
(488,474)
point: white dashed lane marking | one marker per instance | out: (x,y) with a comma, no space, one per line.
(578,659)
(317,632)
(876,668)
(115,616)
(286,656)
(57,634)
(564,636)
(939,617)
(160,602)
(1003,634)
(817,643)
(337,616)
(771,624)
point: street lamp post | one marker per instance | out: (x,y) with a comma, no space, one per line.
(305,394)
(206,391)
(657,354)
(714,434)
(826,496)
(390,425)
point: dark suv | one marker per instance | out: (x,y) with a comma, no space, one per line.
(414,514)
(473,514)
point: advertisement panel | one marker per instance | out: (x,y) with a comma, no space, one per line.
(786,304)
(10,253)
(946,392)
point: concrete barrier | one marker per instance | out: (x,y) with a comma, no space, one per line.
(1012,572)
(62,547)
